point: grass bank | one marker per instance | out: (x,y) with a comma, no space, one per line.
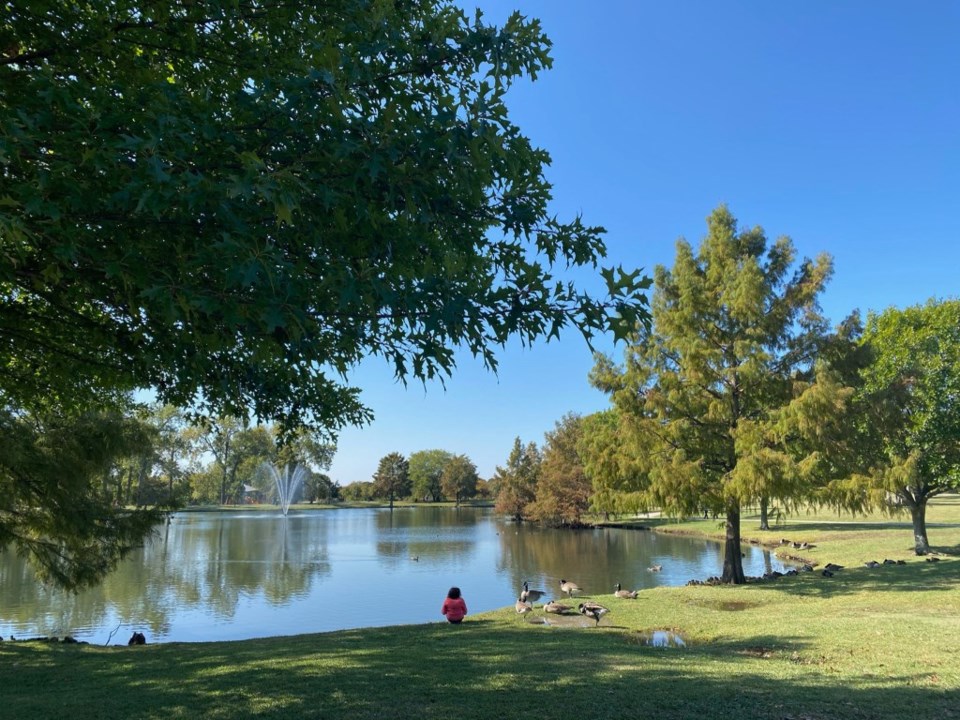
(871,643)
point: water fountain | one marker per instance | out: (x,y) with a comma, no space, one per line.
(288,482)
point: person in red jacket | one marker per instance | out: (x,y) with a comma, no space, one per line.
(454,608)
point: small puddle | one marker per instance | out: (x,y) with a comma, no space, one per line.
(661,638)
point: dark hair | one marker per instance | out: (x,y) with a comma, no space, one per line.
(454,593)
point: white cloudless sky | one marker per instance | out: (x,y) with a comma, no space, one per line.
(837,124)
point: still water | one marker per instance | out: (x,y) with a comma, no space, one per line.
(231,576)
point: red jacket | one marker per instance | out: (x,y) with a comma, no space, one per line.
(454,609)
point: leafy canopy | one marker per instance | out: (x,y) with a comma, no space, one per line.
(426,471)
(910,400)
(563,489)
(516,482)
(459,478)
(392,478)
(234,202)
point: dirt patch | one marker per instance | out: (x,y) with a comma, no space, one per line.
(729,605)
(734,606)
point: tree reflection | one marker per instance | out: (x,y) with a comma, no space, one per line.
(597,558)
(424,533)
(205,564)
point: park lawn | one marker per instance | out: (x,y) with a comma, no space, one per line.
(867,643)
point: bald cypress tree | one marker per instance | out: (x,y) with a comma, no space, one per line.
(719,399)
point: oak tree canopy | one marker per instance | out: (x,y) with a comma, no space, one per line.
(233,202)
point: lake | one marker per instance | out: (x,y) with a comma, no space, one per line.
(230,576)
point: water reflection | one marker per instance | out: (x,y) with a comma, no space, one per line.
(219,576)
(597,559)
(426,533)
(661,638)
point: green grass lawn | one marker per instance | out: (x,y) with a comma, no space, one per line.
(867,643)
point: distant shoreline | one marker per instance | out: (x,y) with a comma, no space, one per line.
(328,506)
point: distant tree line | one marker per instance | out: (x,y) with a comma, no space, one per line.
(426,476)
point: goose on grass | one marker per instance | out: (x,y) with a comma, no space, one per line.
(592,609)
(557,608)
(522,607)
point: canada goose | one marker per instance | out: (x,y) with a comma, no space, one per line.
(557,608)
(592,609)
(827,573)
(522,607)
(655,568)
(872,564)
(529,595)
(631,594)
(415,558)
(831,567)
(569,587)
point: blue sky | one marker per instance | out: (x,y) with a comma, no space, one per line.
(837,124)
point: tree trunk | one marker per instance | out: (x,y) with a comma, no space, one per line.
(918,514)
(141,478)
(764,508)
(732,558)
(128,495)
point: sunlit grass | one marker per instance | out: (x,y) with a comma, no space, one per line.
(867,643)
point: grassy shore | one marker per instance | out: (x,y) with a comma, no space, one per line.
(878,642)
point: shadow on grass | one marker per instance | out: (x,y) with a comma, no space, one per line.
(851,525)
(915,576)
(946,549)
(480,669)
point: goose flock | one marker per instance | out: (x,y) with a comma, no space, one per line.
(526,602)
